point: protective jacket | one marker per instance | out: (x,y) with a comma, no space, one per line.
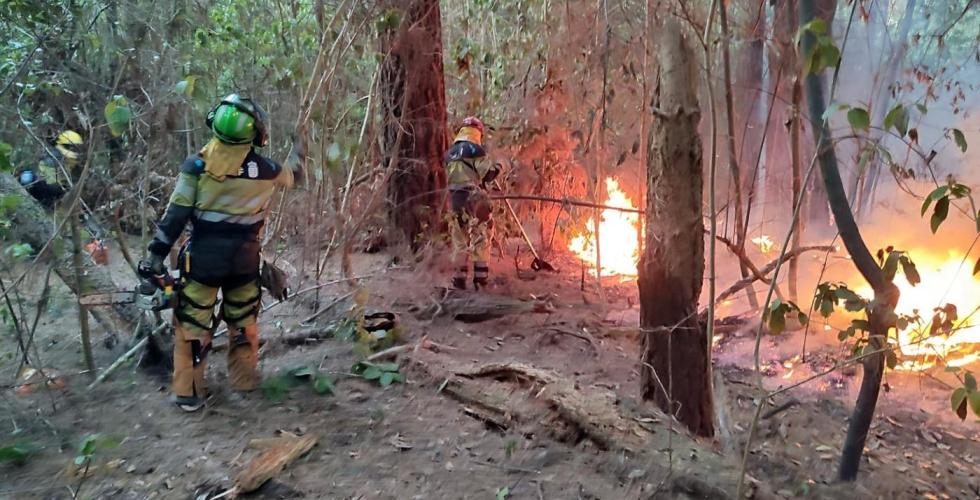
(227,208)
(464,160)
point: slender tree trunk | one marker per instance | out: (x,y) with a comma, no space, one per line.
(886,294)
(794,135)
(77,268)
(732,150)
(676,360)
(414,100)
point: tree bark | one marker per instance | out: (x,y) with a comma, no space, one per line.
(886,294)
(32,224)
(795,160)
(414,100)
(676,361)
(732,150)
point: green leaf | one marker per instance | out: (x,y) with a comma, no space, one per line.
(503,493)
(975,402)
(386,379)
(118,115)
(275,388)
(5,150)
(936,194)
(960,139)
(910,271)
(323,385)
(958,401)
(826,307)
(859,119)
(371,373)
(970,382)
(16,454)
(87,446)
(817,27)
(898,117)
(922,108)
(80,460)
(387,367)
(844,334)
(891,265)
(939,214)
(302,372)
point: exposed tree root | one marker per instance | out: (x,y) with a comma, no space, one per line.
(521,398)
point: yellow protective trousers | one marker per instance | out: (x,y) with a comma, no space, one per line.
(470,228)
(195,324)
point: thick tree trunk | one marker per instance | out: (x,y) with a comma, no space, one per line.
(414,101)
(32,224)
(676,362)
(886,294)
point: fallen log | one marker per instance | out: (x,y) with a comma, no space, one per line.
(31,223)
(475,307)
(271,462)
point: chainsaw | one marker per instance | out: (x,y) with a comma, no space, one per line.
(153,293)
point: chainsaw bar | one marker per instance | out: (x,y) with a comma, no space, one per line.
(107,299)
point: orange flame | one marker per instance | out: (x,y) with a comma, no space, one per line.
(944,280)
(617,236)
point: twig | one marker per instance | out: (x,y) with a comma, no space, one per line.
(129,354)
(781,408)
(563,201)
(509,468)
(326,308)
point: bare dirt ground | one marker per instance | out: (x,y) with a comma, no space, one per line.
(423,440)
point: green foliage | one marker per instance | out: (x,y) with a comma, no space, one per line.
(890,259)
(775,316)
(942,196)
(966,397)
(824,53)
(118,115)
(898,118)
(5,165)
(385,373)
(829,295)
(859,119)
(16,454)
(19,251)
(960,139)
(278,386)
(91,444)
(503,493)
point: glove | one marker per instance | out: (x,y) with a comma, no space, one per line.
(151,267)
(490,176)
(26,177)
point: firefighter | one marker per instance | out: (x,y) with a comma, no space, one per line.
(224,191)
(468,174)
(47,183)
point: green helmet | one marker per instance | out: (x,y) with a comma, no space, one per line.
(238,120)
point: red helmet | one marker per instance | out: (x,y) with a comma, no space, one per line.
(472,121)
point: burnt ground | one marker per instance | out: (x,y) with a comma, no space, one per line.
(414,440)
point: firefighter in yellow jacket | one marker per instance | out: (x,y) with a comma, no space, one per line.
(468,173)
(224,192)
(47,182)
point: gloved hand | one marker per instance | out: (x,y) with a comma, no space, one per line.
(26,177)
(151,267)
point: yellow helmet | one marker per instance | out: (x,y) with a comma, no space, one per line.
(69,144)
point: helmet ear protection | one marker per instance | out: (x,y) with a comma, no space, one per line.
(247,106)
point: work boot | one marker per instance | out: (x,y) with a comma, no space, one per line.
(190,360)
(481,275)
(243,358)
(459,279)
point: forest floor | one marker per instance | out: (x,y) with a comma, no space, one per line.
(427,439)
